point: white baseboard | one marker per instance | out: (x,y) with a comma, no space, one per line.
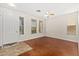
(31,37)
(64,37)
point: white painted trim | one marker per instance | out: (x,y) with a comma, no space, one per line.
(62,37)
(30,38)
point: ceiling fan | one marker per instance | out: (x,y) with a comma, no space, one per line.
(48,14)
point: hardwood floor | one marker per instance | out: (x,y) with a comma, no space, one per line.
(46,46)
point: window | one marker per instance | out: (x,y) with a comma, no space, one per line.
(21,25)
(40,26)
(34,26)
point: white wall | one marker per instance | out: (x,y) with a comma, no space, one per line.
(11,26)
(78,26)
(0,28)
(57,26)
(71,19)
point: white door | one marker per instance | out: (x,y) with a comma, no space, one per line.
(1,30)
(11,28)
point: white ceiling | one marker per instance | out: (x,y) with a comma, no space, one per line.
(55,8)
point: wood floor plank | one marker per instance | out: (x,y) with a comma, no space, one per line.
(46,46)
